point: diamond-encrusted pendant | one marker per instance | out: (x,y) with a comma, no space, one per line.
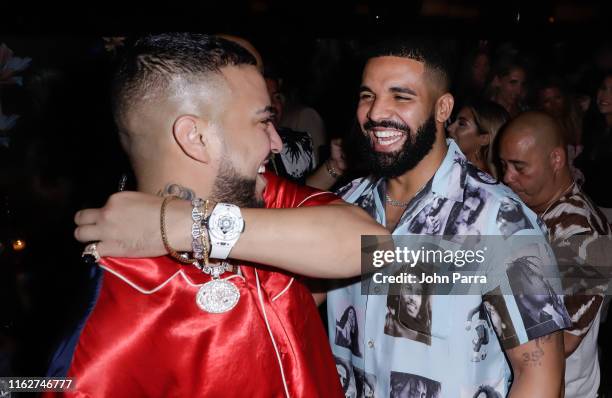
(217,296)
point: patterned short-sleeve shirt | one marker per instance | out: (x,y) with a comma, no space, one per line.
(434,345)
(578,230)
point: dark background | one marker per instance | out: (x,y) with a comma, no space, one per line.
(64,154)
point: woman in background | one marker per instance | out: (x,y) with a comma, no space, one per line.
(475,129)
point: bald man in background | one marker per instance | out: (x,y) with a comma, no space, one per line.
(534,160)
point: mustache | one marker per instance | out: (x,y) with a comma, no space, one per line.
(370,124)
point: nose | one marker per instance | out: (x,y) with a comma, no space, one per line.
(379,110)
(509,177)
(276,144)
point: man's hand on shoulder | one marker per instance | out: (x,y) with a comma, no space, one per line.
(129,225)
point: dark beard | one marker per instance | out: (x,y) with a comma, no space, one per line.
(230,187)
(391,165)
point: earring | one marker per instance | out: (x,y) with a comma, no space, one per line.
(122,182)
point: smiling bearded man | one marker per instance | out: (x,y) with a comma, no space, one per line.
(403,105)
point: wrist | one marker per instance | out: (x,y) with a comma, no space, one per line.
(178,219)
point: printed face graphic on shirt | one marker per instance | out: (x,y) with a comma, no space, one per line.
(409,311)
(347,331)
(406,385)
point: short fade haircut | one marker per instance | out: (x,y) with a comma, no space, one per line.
(435,54)
(148,67)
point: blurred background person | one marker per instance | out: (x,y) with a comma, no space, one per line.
(300,117)
(596,159)
(508,86)
(474,130)
(553,97)
(296,160)
(474,73)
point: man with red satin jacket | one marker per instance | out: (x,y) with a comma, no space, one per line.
(194,117)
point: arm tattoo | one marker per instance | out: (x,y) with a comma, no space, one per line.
(177,190)
(534,358)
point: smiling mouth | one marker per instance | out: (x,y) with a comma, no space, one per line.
(387,137)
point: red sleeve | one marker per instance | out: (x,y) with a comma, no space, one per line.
(281,193)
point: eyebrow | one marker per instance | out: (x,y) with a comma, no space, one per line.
(401,90)
(516,162)
(267,109)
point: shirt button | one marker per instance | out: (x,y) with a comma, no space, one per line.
(370,343)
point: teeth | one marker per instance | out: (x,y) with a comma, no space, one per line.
(388,137)
(261,169)
(385,142)
(387,133)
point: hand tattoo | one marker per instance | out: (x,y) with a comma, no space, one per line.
(177,190)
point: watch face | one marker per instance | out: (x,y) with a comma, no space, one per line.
(226,226)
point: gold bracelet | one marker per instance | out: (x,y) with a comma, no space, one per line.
(162,220)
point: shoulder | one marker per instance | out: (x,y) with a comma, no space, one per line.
(356,188)
(575,214)
(282,193)
(506,212)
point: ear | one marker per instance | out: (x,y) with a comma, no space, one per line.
(484,139)
(444,107)
(558,159)
(190,134)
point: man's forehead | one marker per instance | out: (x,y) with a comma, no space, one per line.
(393,70)
(518,139)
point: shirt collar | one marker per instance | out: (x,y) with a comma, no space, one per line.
(449,179)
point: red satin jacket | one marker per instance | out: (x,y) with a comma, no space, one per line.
(146,336)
